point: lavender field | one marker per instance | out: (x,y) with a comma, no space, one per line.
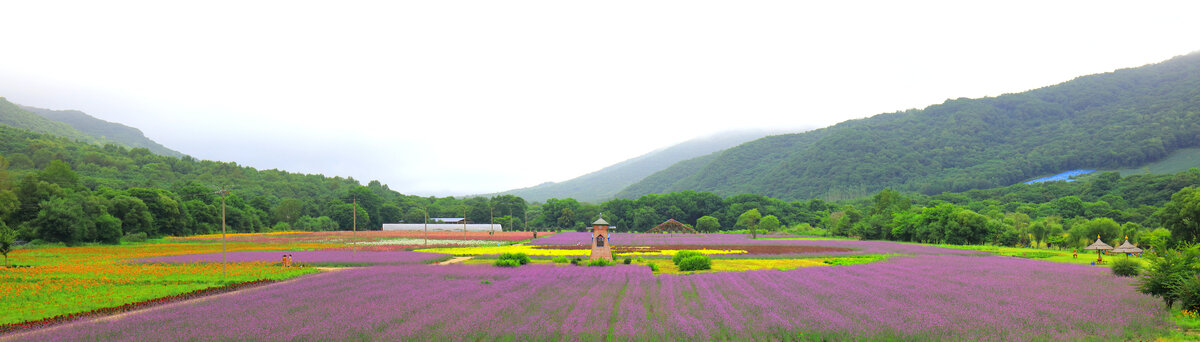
(920,297)
(859,247)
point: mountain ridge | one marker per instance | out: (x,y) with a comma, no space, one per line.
(605,183)
(1120,118)
(126,135)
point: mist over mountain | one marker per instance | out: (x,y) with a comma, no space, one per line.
(110,131)
(77,125)
(1105,121)
(604,184)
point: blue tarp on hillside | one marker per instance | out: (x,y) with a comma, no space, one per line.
(1065,176)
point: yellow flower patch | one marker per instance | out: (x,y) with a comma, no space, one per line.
(543,251)
(738,265)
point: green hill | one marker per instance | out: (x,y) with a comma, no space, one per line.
(1121,119)
(104,130)
(605,183)
(13,115)
(78,126)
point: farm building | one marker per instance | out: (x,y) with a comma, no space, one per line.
(481,227)
(456,220)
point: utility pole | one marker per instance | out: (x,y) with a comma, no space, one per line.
(354,224)
(510,226)
(464,219)
(491,219)
(427,226)
(223,190)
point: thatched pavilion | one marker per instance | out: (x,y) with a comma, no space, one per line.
(1098,246)
(1127,248)
(672,227)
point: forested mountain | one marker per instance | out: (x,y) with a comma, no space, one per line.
(104,130)
(605,183)
(1106,121)
(58,189)
(13,115)
(76,125)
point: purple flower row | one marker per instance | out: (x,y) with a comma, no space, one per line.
(304,257)
(640,239)
(923,297)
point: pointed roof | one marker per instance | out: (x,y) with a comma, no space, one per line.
(600,220)
(1127,247)
(1098,245)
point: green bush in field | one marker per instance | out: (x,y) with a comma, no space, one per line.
(653,267)
(1126,268)
(561,259)
(628,261)
(507,263)
(600,262)
(134,237)
(695,263)
(679,256)
(520,258)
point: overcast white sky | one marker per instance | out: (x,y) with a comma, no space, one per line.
(463,97)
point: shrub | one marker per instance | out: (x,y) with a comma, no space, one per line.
(695,263)
(485,282)
(135,237)
(576,261)
(1166,273)
(561,259)
(600,262)
(1126,268)
(507,263)
(653,267)
(519,258)
(679,256)
(1188,293)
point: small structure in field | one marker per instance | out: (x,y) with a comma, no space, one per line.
(601,242)
(1127,248)
(672,227)
(1098,246)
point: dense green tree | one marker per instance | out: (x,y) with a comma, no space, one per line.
(645,218)
(61,220)
(749,220)
(708,224)
(288,210)
(390,213)
(134,214)
(59,172)
(108,229)
(1182,215)
(7,237)
(769,223)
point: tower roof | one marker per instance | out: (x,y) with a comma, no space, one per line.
(600,221)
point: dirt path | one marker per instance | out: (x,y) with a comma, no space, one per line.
(21,336)
(454,260)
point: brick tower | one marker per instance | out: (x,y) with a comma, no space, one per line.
(601,247)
